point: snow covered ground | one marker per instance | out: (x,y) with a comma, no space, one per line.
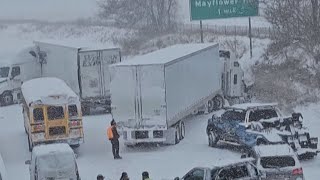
(165,162)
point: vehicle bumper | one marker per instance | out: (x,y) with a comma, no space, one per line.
(70,141)
(132,137)
(307,153)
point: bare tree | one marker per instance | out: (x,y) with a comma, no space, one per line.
(152,15)
(296,22)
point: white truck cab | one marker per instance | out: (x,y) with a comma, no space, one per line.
(13,72)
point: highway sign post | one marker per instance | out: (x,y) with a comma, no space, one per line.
(217,9)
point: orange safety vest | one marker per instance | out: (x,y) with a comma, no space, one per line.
(110,133)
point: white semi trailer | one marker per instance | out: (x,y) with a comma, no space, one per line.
(84,69)
(153,93)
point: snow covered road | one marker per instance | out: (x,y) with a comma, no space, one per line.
(165,162)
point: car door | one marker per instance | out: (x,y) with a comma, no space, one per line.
(236,172)
(195,174)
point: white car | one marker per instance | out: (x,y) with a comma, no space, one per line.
(53,161)
(278,162)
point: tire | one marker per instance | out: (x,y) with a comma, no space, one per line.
(261,141)
(177,139)
(213,139)
(75,146)
(182,130)
(218,102)
(30,144)
(85,110)
(7,98)
(210,106)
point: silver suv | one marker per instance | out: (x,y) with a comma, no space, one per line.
(278,162)
(238,169)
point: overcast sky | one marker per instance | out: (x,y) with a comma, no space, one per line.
(54,10)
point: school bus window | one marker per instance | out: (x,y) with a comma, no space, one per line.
(38,114)
(73,111)
(55,112)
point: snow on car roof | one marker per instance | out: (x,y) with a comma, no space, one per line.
(41,88)
(274,150)
(227,162)
(166,55)
(43,150)
(245,106)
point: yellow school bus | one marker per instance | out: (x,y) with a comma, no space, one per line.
(52,112)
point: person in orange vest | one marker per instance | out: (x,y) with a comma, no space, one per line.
(113,136)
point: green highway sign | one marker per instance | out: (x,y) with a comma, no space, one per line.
(213,9)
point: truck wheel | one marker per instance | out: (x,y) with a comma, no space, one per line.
(7,98)
(217,102)
(210,106)
(85,110)
(182,130)
(29,144)
(177,134)
(261,141)
(213,139)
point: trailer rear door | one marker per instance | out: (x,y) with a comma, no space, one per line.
(152,95)
(94,71)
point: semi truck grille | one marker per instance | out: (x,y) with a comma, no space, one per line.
(59,130)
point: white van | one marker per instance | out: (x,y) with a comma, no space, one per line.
(53,162)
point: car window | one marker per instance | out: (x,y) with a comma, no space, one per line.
(262,114)
(233,115)
(197,174)
(38,114)
(73,111)
(233,172)
(277,162)
(55,112)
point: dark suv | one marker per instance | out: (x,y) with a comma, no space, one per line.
(254,124)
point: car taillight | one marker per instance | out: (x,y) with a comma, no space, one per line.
(75,123)
(297,171)
(38,127)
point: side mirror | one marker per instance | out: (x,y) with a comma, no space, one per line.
(27,162)
(176,178)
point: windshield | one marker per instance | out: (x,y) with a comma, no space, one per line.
(4,72)
(233,115)
(257,115)
(57,166)
(277,162)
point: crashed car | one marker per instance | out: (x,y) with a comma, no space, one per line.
(242,169)
(276,162)
(254,124)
